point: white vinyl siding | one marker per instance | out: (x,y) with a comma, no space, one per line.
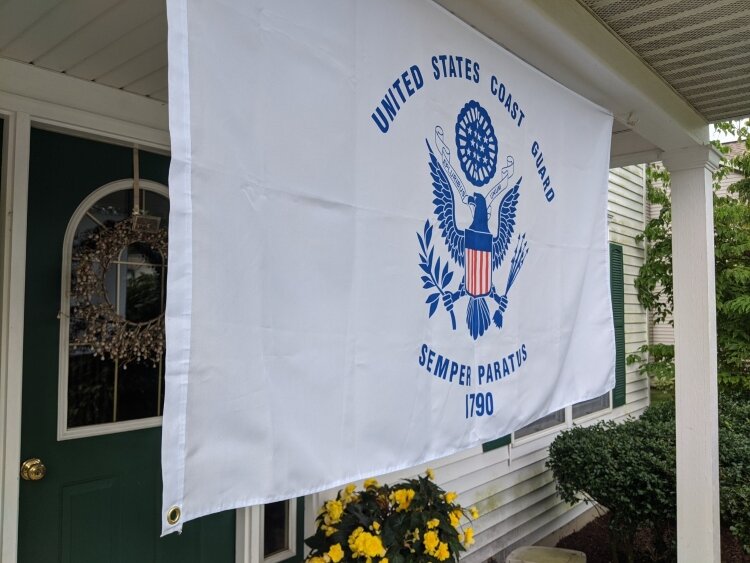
(627,220)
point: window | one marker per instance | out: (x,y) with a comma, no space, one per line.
(100,396)
(273,532)
(591,406)
(553,419)
(276,530)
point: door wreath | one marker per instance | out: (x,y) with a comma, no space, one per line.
(109,333)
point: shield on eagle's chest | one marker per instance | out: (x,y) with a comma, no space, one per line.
(478,263)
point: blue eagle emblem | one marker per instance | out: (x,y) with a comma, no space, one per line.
(477,250)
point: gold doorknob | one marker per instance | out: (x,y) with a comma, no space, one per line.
(33,469)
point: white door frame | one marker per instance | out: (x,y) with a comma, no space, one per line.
(12,206)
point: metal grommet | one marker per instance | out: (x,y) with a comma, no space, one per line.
(173,515)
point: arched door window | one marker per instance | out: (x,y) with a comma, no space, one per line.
(101,395)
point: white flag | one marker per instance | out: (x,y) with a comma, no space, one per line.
(388,243)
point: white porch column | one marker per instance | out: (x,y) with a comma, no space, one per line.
(696,393)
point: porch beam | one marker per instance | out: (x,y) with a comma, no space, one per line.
(70,105)
(696,390)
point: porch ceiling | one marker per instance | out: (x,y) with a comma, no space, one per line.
(118,43)
(701,48)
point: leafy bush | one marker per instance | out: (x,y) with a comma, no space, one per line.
(734,465)
(630,469)
(660,364)
(412,521)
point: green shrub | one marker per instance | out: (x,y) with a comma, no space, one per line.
(630,469)
(734,465)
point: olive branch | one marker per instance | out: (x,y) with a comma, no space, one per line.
(434,277)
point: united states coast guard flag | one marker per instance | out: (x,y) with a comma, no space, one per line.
(388,243)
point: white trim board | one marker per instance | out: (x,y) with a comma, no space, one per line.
(15,183)
(32,84)
(79,107)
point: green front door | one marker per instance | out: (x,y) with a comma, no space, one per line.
(100,499)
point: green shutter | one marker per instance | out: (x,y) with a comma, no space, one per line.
(496,443)
(617,286)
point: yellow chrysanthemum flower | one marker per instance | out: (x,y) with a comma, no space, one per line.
(384,560)
(373,546)
(455,516)
(403,498)
(353,537)
(430,474)
(367,544)
(376,526)
(371,483)
(468,537)
(316,559)
(334,509)
(450,497)
(474,512)
(336,553)
(431,541)
(348,495)
(442,552)
(434,523)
